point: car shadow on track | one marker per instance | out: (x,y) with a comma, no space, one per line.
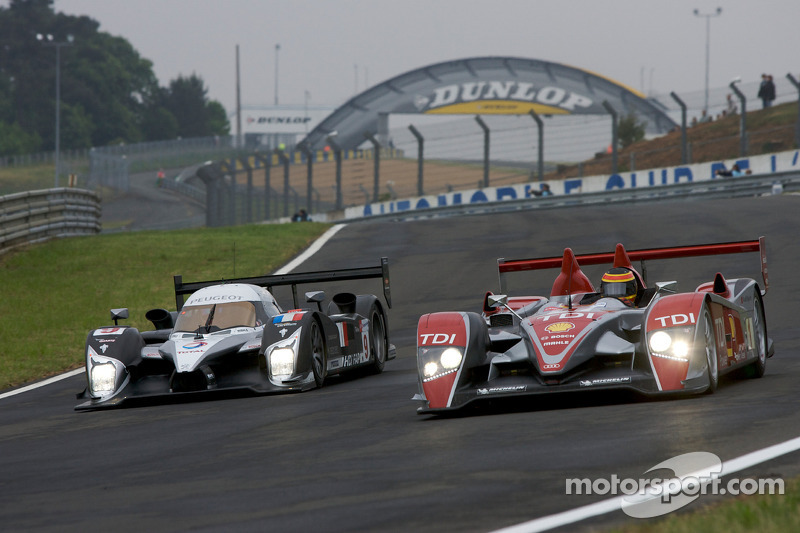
(557,401)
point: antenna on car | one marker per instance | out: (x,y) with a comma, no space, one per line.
(569,287)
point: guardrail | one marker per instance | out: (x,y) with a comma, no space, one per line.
(753,185)
(35,216)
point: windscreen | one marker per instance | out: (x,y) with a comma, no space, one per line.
(214,317)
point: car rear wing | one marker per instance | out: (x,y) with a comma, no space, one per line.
(381,271)
(519,265)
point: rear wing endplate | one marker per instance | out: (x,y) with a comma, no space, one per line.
(381,271)
(520,265)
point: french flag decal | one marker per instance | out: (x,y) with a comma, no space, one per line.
(288,317)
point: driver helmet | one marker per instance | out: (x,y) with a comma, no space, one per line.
(619,283)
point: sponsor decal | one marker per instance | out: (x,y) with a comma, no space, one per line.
(279,120)
(502,96)
(551,366)
(103,348)
(108,331)
(283,331)
(562,336)
(559,327)
(675,320)
(151,352)
(554,343)
(354,359)
(567,316)
(605,381)
(218,298)
(499,390)
(194,345)
(107,341)
(437,338)
(348,360)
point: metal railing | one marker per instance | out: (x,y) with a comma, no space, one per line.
(36,216)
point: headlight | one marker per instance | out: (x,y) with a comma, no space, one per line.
(451,358)
(670,345)
(430,369)
(680,349)
(660,341)
(281,362)
(104,376)
(435,363)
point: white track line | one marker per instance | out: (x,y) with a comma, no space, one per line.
(297,261)
(615,504)
(42,383)
(314,248)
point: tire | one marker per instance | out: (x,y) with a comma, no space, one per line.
(710,350)
(319,359)
(378,340)
(756,368)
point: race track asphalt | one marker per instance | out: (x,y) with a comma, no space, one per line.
(355,456)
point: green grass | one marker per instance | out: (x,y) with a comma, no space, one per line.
(26,178)
(53,293)
(769,513)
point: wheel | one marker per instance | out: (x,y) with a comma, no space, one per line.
(319,363)
(756,368)
(710,348)
(380,345)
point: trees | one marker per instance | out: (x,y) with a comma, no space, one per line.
(630,130)
(197,117)
(109,93)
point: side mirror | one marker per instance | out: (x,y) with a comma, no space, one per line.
(119,314)
(496,300)
(493,301)
(668,287)
(316,297)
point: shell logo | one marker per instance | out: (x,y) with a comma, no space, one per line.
(559,327)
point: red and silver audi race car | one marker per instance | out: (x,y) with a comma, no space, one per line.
(650,339)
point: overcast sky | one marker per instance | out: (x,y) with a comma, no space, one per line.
(335,48)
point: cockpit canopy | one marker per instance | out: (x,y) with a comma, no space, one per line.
(214,317)
(228,306)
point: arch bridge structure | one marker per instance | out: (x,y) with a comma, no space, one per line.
(484,86)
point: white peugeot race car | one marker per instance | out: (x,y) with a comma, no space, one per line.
(234,336)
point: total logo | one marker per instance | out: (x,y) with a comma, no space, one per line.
(194,345)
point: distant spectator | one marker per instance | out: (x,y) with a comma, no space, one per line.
(544,190)
(705,117)
(734,172)
(160,178)
(301,216)
(766,91)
